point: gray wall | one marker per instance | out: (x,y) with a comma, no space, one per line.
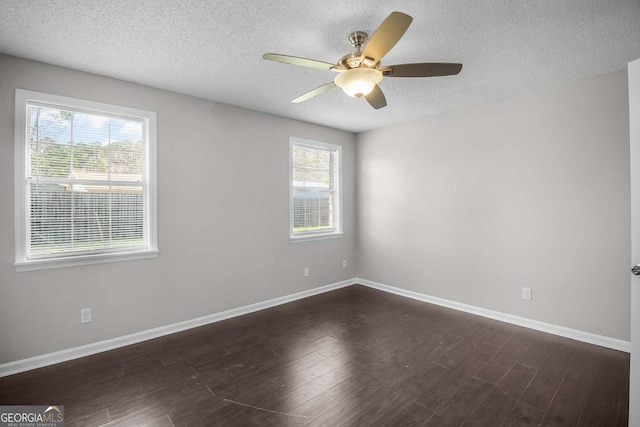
(531,191)
(469,206)
(223,221)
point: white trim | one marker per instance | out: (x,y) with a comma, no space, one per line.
(35,362)
(562,331)
(74,261)
(312,237)
(149,182)
(23,365)
(633,77)
(337,187)
(20,166)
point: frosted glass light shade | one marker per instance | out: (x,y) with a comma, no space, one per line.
(358,81)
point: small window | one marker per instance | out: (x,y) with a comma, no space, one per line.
(85,182)
(315,190)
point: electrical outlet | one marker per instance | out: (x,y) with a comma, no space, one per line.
(306,272)
(526,294)
(344,263)
(86,315)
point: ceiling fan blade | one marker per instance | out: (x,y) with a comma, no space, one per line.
(315,92)
(296,60)
(376,98)
(386,37)
(425,69)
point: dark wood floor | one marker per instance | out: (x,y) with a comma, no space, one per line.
(352,357)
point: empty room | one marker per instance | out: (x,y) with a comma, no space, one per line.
(412,213)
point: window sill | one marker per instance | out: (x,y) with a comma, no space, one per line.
(312,237)
(74,261)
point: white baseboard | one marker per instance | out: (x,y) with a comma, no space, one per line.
(587,337)
(23,365)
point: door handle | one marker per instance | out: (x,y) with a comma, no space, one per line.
(636,270)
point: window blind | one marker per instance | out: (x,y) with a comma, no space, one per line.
(85,191)
(313,189)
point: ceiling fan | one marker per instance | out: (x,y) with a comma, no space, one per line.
(361,71)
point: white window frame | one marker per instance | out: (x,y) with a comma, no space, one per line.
(336,232)
(149,178)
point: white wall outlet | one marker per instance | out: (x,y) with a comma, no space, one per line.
(344,263)
(306,272)
(526,294)
(86,315)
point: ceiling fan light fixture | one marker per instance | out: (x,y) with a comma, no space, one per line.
(358,82)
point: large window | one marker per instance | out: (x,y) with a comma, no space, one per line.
(85,182)
(315,190)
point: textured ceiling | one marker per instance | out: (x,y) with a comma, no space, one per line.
(213,49)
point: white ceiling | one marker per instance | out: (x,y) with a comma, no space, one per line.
(213,49)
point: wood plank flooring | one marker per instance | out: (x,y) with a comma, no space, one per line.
(351,357)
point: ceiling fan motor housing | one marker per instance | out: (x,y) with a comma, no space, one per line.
(351,60)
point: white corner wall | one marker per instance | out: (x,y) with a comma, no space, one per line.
(531,191)
(223,221)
